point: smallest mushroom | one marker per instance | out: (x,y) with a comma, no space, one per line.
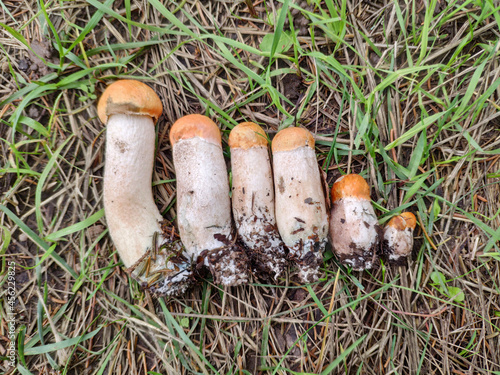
(398,238)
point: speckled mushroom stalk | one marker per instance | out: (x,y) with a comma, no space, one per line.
(301,212)
(203,203)
(130,110)
(397,244)
(253,199)
(354,229)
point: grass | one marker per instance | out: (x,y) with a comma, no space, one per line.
(406,94)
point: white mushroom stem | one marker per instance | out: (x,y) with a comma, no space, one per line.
(131,214)
(301,211)
(253,208)
(203,204)
(397,242)
(354,229)
(301,208)
(130,109)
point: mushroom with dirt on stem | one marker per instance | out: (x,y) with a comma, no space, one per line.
(130,110)
(397,243)
(203,202)
(301,204)
(354,229)
(253,199)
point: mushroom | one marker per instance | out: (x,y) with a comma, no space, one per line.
(130,110)
(354,229)
(301,212)
(253,198)
(203,203)
(398,238)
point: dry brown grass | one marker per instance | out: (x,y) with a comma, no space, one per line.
(406,325)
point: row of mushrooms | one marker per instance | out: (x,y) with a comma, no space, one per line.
(281,212)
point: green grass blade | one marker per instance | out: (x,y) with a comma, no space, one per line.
(76,227)
(342,357)
(38,241)
(61,345)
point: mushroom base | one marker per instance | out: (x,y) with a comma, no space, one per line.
(354,233)
(228,265)
(164,274)
(308,257)
(390,255)
(358,259)
(164,271)
(267,263)
(397,245)
(308,266)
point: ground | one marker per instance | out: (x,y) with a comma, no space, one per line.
(405,93)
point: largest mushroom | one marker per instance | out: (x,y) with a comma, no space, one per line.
(130,110)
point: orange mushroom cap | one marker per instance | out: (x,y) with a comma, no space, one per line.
(129,97)
(192,126)
(291,138)
(247,135)
(350,186)
(403,221)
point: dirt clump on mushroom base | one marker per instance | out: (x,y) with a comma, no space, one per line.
(228,265)
(164,270)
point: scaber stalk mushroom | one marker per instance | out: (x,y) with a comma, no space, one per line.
(301,212)
(130,110)
(398,238)
(354,229)
(253,198)
(203,203)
